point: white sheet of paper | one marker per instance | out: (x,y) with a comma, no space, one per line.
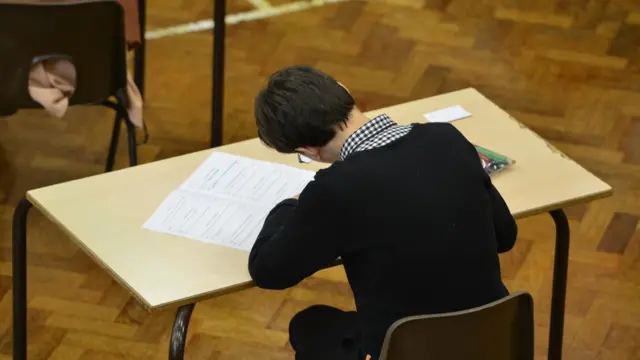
(226,200)
(448,114)
(246,179)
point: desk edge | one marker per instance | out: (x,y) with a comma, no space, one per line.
(562,205)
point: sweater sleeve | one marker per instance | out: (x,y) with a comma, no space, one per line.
(298,238)
(505,225)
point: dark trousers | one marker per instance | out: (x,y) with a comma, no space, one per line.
(325,333)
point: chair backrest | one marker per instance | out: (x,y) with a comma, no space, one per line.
(89,33)
(502,330)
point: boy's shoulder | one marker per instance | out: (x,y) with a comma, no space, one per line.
(336,174)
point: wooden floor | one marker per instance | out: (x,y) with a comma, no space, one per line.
(569,69)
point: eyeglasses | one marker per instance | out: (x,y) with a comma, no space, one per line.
(303,159)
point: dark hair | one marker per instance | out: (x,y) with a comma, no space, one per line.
(300,106)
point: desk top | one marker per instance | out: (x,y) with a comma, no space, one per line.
(104,214)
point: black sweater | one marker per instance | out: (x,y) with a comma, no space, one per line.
(417,222)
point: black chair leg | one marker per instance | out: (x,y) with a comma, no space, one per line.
(138,67)
(133,146)
(113,146)
(20,280)
(179,332)
(131,129)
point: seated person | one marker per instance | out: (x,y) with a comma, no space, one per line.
(408,208)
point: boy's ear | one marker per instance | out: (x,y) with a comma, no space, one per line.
(344,87)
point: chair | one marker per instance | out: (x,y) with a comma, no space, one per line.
(89,33)
(502,330)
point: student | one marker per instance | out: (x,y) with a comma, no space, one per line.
(408,208)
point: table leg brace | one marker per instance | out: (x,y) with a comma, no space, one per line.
(179,332)
(20,280)
(560,269)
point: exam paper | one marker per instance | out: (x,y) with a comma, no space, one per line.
(447,114)
(246,179)
(226,200)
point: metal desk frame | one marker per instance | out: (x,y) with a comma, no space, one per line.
(217,95)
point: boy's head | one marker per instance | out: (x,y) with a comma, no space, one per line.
(303,110)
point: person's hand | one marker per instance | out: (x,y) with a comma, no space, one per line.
(368,357)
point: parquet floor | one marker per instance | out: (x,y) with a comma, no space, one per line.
(569,69)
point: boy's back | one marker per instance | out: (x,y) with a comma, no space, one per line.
(415,224)
(409,209)
(422,237)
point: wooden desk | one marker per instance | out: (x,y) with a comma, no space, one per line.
(104,214)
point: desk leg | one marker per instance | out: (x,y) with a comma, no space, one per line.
(560,269)
(20,280)
(139,52)
(179,332)
(218,72)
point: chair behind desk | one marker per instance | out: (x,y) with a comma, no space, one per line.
(502,330)
(88,33)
